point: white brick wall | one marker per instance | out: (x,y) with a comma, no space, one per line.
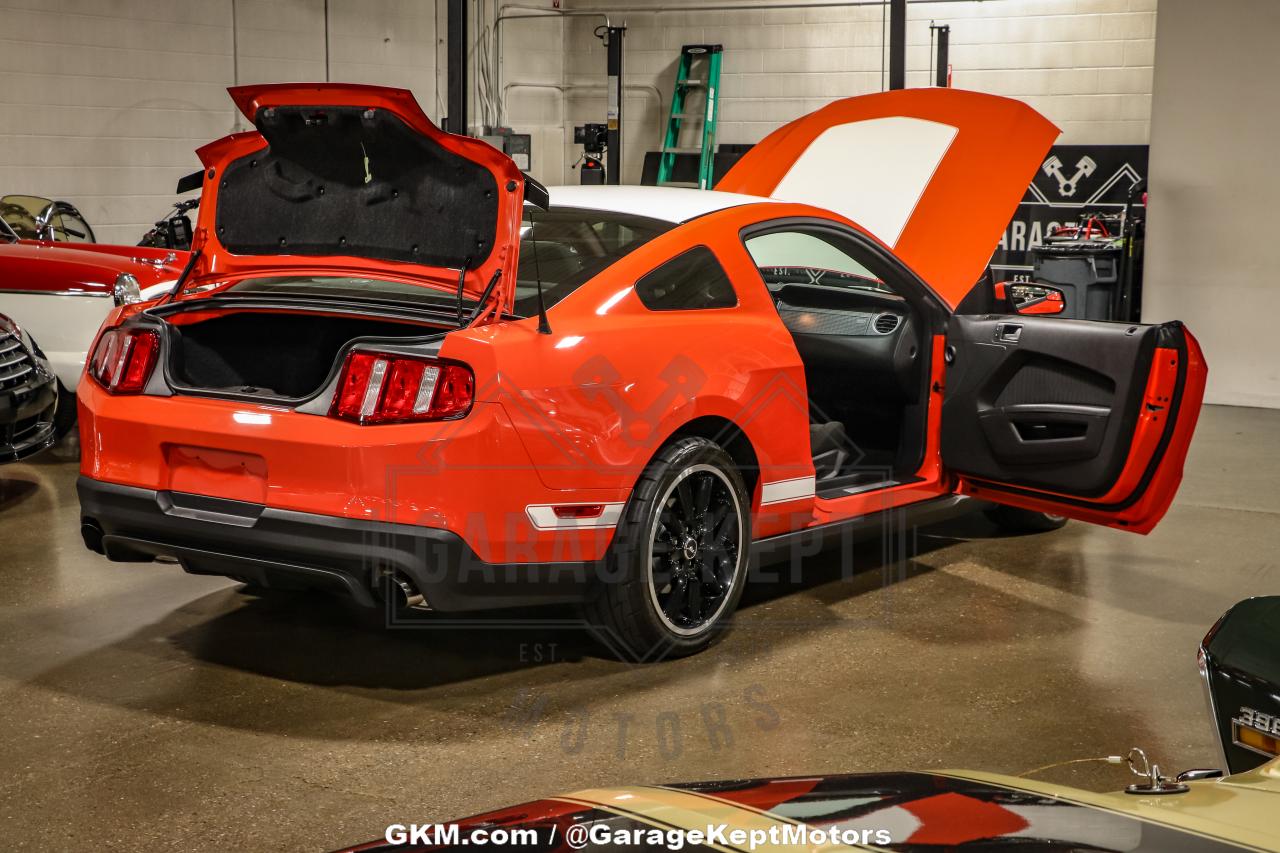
(531,54)
(104,101)
(1086,64)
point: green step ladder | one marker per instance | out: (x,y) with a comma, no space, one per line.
(698,72)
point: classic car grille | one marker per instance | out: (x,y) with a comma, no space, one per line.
(16,366)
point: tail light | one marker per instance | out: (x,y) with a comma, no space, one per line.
(379,388)
(124,358)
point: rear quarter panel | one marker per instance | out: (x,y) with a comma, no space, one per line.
(595,400)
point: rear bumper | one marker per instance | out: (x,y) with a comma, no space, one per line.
(471,476)
(284,548)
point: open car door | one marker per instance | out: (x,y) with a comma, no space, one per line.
(1080,418)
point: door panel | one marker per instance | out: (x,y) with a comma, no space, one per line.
(1080,418)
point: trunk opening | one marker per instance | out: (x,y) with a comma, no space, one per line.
(272,354)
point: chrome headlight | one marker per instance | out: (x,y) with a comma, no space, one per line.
(126,290)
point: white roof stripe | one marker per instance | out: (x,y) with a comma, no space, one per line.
(671,204)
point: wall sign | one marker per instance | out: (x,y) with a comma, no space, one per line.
(1073,179)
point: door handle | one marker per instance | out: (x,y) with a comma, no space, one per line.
(1030,430)
(1008,333)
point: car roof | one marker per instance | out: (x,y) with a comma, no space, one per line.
(670,204)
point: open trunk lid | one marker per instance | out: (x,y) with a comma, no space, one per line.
(356,180)
(935,174)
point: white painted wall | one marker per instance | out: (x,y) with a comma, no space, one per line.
(104,101)
(1211,241)
(1086,64)
(527,50)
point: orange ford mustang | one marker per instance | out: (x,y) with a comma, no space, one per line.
(397,368)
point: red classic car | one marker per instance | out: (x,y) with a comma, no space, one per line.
(400,369)
(60,290)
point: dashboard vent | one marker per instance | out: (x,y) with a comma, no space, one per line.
(886,323)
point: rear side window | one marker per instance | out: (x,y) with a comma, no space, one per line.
(690,281)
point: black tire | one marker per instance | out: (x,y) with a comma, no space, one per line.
(691,505)
(64,416)
(1016,520)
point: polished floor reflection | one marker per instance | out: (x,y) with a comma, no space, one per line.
(142,708)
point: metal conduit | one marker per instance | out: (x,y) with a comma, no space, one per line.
(526,12)
(648,88)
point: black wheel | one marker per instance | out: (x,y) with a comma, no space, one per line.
(678,562)
(64,416)
(1017,520)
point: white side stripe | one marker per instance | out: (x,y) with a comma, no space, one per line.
(787,490)
(543,517)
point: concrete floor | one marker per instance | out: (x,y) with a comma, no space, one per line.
(142,708)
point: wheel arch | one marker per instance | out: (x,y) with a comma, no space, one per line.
(730,437)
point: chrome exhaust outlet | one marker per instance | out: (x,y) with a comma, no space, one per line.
(407,595)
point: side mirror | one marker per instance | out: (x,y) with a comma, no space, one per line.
(1036,299)
(1240,663)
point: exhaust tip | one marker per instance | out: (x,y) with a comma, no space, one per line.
(91,533)
(406,595)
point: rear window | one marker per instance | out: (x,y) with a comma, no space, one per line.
(566,247)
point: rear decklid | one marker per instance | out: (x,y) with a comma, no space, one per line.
(356,180)
(936,174)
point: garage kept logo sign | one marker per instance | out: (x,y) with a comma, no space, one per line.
(1073,179)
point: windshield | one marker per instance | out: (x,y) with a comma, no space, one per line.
(566,247)
(36,218)
(799,257)
(21,212)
